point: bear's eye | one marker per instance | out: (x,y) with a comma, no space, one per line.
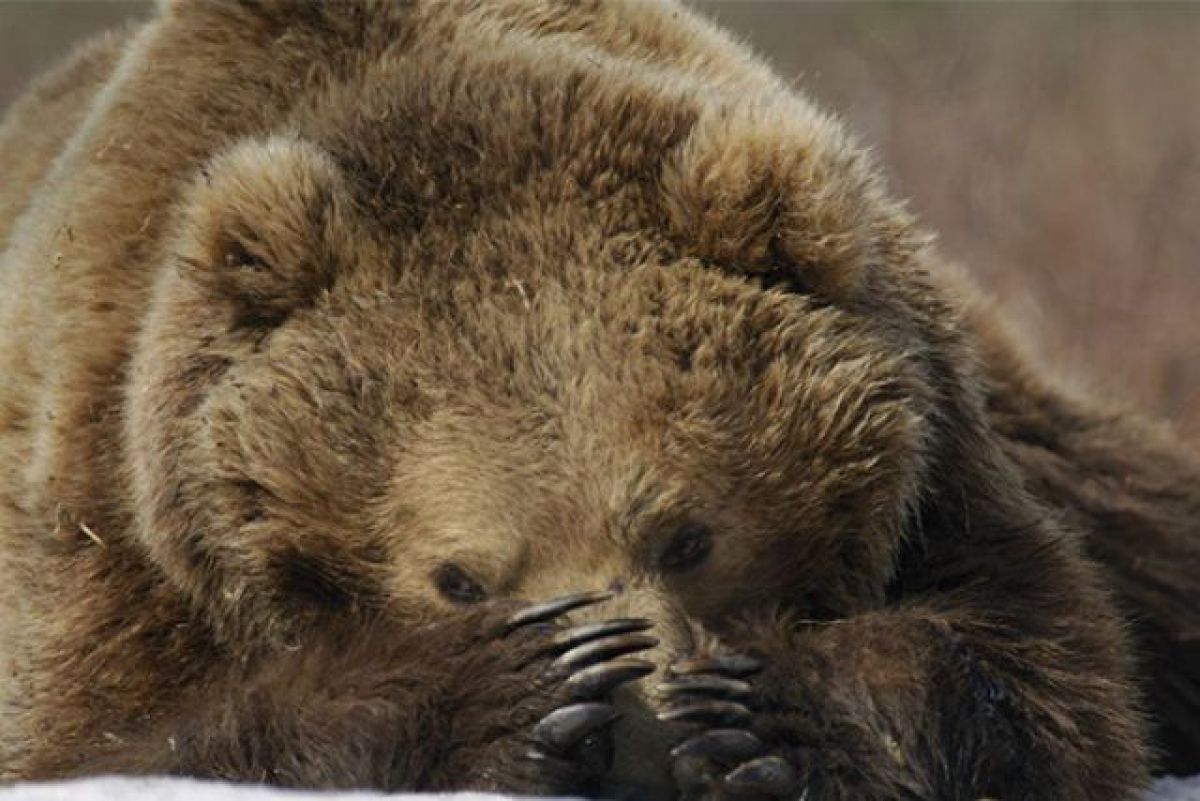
(456,585)
(687,550)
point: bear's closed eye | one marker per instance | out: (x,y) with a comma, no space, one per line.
(456,585)
(688,549)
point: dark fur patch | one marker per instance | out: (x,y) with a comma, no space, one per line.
(319,583)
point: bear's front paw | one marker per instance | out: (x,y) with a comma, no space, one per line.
(724,760)
(579,667)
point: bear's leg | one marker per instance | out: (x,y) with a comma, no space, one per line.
(495,699)
(1133,487)
(915,703)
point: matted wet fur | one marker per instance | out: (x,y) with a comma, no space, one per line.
(338,339)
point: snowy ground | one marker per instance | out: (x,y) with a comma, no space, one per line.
(183,790)
(187,790)
(1176,790)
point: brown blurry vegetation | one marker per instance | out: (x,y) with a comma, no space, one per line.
(1054,147)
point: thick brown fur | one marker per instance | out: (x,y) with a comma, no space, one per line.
(300,303)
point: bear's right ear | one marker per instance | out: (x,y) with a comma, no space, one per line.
(265,228)
(771,187)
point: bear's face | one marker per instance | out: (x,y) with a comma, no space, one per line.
(324,420)
(686,437)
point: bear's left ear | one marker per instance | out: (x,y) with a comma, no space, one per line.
(777,189)
(265,229)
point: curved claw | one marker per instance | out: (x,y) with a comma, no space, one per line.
(600,650)
(548,610)
(772,775)
(599,680)
(734,665)
(692,775)
(709,713)
(578,635)
(567,726)
(706,684)
(728,745)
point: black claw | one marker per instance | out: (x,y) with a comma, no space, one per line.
(771,775)
(692,775)
(595,752)
(735,665)
(708,685)
(599,680)
(567,726)
(710,713)
(548,610)
(578,635)
(729,745)
(600,650)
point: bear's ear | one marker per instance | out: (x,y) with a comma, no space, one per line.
(777,189)
(265,228)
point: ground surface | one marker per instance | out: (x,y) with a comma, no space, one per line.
(179,790)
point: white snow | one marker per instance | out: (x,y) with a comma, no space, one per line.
(123,789)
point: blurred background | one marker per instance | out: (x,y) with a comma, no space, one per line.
(1054,147)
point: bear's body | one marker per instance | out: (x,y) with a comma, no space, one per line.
(329,331)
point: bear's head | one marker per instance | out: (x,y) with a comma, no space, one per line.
(693,359)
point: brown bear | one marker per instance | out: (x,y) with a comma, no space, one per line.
(542,397)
